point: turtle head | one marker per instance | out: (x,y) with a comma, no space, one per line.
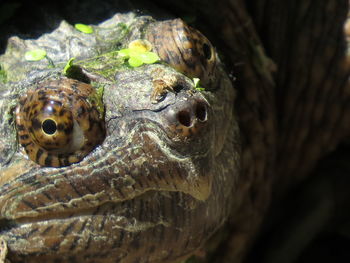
(153,186)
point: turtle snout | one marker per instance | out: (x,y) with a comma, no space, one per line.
(188,117)
(191,114)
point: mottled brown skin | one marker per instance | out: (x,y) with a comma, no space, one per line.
(65,108)
(162,167)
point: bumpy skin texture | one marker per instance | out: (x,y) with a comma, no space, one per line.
(157,187)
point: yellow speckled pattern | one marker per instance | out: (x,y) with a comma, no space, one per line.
(57,124)
(185,49)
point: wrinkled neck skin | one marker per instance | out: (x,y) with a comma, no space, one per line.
(291,61)
(155,190)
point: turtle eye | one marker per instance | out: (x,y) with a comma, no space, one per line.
(184,48)
(58,123)
(49,126)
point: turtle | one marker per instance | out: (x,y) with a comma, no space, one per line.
(135,143)
(111,154)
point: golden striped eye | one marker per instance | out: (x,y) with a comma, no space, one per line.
(59,123)
(184,48)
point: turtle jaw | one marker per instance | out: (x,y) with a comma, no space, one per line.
(152,227)
(141,189)
(137,158)
(60,212)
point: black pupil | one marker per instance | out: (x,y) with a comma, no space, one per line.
(49,126)
(206,51)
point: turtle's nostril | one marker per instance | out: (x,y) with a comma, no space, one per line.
(201,111)
(184,118)
(189,115)
(188,118)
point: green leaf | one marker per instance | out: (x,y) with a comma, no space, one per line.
(124,52)
(97,98)
(196,82)
(200,88)
(148,57)
(135,53)
(84,28)
(137,56)
(135,62)
(68,65)
(35,55)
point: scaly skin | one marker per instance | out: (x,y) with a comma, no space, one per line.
(162,167)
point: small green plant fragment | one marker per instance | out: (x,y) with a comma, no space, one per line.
(139,53)
(140,45)
(3,75)
(68,65)
(35,55)
(200,89)
(100,106)
(100,91)
(124,52)
(148,57)
(97,99)
(196,82)
(135,62)
(84,28)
